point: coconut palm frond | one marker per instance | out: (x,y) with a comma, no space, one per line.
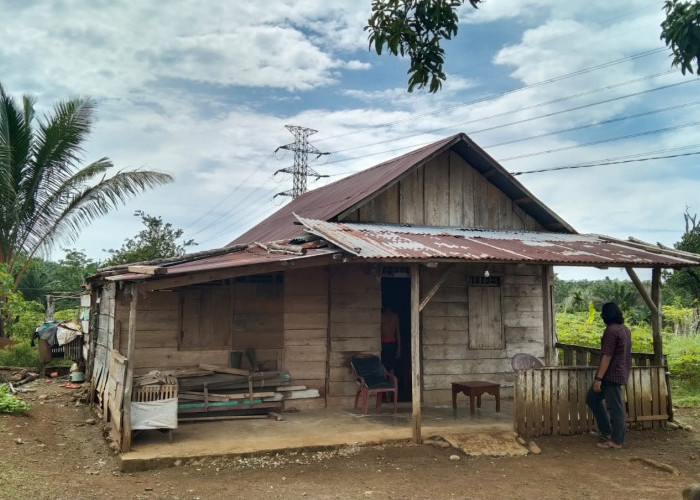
(57,147)
(54,203)
(95,201)
(46,194)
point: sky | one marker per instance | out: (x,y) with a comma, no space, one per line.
(203,90)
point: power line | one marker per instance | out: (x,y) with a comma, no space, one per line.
(570,167)
(601,141)
(595,124)
(533,106)
(229,195)
(501,94)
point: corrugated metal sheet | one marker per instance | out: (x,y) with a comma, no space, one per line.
(332,200)
(388,241)
(251,256)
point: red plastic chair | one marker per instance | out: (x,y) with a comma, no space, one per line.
(372,378)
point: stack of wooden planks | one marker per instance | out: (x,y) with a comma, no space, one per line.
(221,393)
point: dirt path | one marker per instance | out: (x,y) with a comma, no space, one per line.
(55,452)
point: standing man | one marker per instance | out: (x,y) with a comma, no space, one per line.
(612,373)
(391,339)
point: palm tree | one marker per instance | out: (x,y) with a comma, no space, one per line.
(47,195)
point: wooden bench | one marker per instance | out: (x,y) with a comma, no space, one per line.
(476,388)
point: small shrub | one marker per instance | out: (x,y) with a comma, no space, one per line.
(10,403)
(22,354)
(66,315)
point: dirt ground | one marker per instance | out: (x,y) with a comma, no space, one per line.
(57,451)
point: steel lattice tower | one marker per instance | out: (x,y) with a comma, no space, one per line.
(300,171)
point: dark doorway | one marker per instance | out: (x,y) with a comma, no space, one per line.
(396,293)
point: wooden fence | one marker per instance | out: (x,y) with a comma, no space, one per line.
(552,400)
(577,355)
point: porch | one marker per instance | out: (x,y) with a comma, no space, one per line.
(318,429)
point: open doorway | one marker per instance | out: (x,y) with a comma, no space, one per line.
(396,293)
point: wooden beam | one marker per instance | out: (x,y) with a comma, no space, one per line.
(128,384)
(436,287)
(642,291)
(548,316)
(234,272)
(224,369)
(415,353)
(153,270)
(522,200)
(656,316)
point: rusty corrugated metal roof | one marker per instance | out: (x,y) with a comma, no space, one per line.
(390,241)
(330,201)
(251,256)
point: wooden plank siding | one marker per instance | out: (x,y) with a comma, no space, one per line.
(305,353)
(355,316)
(552,400)
(181,329)
(458,347)
(446,191)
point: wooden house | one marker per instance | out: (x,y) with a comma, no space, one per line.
(458,247)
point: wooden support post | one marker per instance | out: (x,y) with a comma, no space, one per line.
(415,352)
(656,316)
(548,316)
(128,384)
(651,304)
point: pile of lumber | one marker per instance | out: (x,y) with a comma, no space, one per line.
(234,393)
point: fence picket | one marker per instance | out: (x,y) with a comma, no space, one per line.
(551,400)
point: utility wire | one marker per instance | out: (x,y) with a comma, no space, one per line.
(569,167)
(230,194)
(601,141)
(595,124)
(533,106)
(500,94)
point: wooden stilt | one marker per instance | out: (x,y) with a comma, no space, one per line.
(415,352)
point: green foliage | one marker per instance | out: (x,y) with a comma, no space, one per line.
(685,284)
(416,28)
(18,317)
(22,354)
(10,403)
(683,353)
(156,241)
(67,315)
(46,196)
(680,31)
(577,329)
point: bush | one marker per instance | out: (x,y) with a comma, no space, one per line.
(10,403)
(683,353)
(66,315)
(586,330)
(22,354)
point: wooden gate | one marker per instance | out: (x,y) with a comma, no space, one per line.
(552,400)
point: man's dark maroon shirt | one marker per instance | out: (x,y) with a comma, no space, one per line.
(617,343)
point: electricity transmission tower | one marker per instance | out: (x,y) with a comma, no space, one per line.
(300,171)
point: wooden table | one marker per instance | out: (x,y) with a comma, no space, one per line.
(475,388)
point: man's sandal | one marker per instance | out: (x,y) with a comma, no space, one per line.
(609,444)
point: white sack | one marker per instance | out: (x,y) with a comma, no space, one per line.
(160,414)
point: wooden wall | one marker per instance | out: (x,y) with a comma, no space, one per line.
(305,353)
(446,191)
(355,315)
(454,345)
(236,317)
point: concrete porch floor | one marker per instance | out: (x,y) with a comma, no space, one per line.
(311,429)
